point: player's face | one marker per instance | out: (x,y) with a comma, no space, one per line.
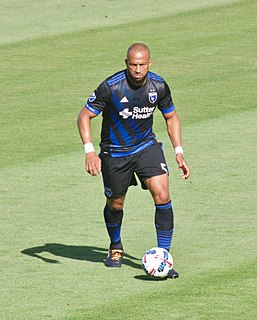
(138,64)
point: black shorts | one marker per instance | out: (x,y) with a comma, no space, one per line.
(119,173)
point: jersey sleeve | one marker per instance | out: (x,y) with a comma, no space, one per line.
(166,104)
(98,101)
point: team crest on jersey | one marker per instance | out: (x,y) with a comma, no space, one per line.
(92,97)
(152,96)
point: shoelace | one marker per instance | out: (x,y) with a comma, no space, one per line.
(116,254)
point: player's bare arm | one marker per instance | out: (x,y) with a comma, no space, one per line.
(174,131)
(93,162)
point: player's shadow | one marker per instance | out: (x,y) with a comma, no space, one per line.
(87,253)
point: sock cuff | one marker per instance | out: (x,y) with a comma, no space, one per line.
(164,206)
(112,218)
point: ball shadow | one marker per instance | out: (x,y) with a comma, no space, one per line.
(145,277)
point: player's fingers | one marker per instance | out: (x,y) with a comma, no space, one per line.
(90,169)
(97,170)
(186,172)
(94,169)
(184,176)
(99,166)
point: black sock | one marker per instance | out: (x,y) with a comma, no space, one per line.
(164,225)
(113,221)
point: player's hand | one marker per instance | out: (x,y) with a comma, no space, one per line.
(93,164)
(183,166)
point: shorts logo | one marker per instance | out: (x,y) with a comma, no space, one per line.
(164,167)
(152,96)
(92,97)
(108,192)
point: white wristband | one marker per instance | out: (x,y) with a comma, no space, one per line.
(88,147)
(179,149)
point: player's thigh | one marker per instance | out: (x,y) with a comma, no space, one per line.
(159,188)
(152,170)
(117,174)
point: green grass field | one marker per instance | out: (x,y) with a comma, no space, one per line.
(53,54)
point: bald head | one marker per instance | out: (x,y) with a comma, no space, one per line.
(138,48)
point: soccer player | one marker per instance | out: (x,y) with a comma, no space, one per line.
(129,146)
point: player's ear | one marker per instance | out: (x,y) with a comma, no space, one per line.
(150,62)
(126,62)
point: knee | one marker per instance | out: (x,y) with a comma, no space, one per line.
(161,198)
(115,204)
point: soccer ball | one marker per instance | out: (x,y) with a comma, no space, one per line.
(157,262)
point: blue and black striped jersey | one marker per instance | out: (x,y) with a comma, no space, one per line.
(128,112)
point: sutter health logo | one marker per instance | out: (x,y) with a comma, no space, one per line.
(137,113)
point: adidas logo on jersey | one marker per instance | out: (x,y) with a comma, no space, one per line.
(124,99)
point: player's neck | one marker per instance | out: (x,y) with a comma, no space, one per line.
(135,84)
